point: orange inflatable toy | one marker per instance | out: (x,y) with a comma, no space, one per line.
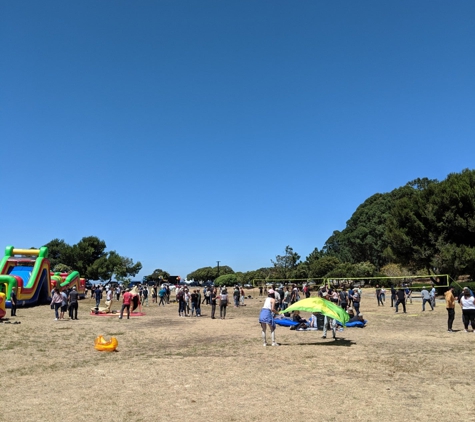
(101,344)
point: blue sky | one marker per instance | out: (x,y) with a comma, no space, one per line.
(186,132)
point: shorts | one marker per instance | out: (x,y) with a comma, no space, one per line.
(64,308)
(265,317)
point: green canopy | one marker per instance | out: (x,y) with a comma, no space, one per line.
(323,306)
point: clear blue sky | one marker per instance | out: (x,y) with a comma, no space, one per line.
(186,132)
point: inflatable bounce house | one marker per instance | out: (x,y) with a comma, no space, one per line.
(28,272)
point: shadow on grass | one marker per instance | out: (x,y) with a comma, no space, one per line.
(339,342)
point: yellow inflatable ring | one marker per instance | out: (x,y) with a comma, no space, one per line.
(101,344)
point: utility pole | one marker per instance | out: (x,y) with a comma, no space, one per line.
(218,267)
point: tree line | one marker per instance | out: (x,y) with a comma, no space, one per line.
(424,227)
(90,258)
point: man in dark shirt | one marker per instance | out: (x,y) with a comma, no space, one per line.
(73,303)
(98,296)
(13,302)
(401,299)
(212,298)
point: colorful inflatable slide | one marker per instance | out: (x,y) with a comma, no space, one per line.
(28,271)
(67,281)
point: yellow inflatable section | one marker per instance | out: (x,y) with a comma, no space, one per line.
(101,344)
(2,305)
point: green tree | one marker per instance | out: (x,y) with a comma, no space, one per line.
(285,265)
(226,280)
(59,252)
(320,268)
(158,274)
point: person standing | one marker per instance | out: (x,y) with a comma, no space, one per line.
(260,290)
(145,295)
(330,322)
(98,296)
(162,294)
(450,306)
(13,302)
(198,303)
(378,296)
(64,304)
(356,301)
(236,295)
(241,297)
(425,298)
(212,298)
(117,293)
(73,303)
(223,303)
(401,299)
(126,301)
(109,295)
(180,298)
(393,296)
(467,303)
(433,294)
(408,295)
(56,303)
(266,318)
(382,295)
(343,298)
(286,300)
(194,304)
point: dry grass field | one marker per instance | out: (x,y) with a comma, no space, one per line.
(400,367)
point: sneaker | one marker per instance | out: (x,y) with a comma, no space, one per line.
(324,336)
(120,317)
(466,331)
(265,344)
(57,319)
(275,344)
(450,331)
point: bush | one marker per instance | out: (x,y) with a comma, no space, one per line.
(226,280)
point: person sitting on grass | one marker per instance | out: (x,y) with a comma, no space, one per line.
(303,323)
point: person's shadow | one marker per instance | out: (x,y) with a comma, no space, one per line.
(339,342)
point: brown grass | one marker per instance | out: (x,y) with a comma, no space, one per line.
(400,367)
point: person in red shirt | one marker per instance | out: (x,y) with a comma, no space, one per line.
(126,300)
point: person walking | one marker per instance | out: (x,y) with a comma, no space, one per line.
(450,306)
(56,303)
(426,299)
(162,294)
(126,301)
(467,303)
(378,296)
(73,303)
(212,298)
(266,318)
(401,299)
(223,303)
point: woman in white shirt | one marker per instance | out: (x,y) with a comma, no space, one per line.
(266,317)
(467,302)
